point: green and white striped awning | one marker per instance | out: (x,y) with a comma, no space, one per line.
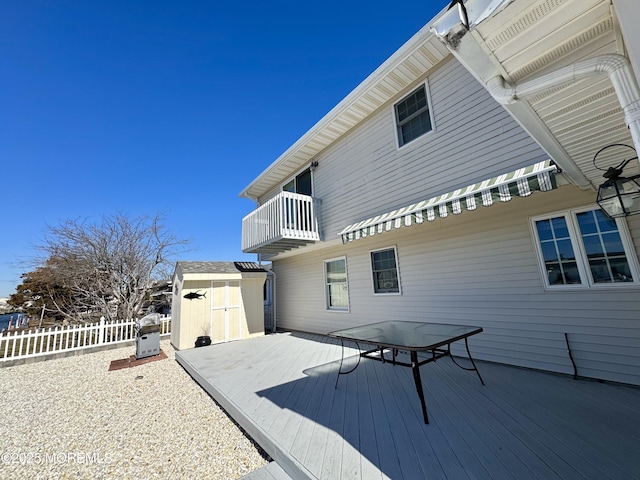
(520,183)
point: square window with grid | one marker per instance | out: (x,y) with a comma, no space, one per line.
(584,248)
(413,117)
(384,268)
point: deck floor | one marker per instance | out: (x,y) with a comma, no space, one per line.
(521,425)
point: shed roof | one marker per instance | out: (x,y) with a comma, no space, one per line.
(219,267)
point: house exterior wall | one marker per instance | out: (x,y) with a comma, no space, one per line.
(479,268)
(365,174)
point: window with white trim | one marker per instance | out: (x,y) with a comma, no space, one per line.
(413,116)
(584,248)
(384,269)
(336,285)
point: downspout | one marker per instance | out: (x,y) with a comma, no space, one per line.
(273,300)
(617,67)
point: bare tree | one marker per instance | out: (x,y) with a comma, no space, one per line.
(107,267)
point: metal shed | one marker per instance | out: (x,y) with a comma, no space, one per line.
(222,300)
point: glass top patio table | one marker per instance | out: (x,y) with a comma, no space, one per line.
(412,337)
(407,335)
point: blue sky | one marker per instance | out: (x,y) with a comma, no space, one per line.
(142,107)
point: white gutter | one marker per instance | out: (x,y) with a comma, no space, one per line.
(617,67)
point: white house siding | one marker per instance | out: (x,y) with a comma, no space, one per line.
(364,174)
(479,268)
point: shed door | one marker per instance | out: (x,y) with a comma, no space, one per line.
(225,311)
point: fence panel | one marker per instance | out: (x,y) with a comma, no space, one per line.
(16,344)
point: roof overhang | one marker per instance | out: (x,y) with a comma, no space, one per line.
(526,43)
(405,67)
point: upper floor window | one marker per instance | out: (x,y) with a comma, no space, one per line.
(413,117)
(301,183)
(384,268)
(584,248)
(336,285)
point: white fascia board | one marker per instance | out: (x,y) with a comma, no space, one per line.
(392,63)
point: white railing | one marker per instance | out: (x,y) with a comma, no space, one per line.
(289,216)
(16,344)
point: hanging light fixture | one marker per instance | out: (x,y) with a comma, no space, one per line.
(618,196)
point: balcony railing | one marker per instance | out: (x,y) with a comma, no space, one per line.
(287,221)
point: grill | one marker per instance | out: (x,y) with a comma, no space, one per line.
(148,336)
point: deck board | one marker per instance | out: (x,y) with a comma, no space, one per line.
(304,401)
(534,437)
(522,447)
(522,424)
(388,455)
(370,458)
(271,471)
(400,418)
(578,420)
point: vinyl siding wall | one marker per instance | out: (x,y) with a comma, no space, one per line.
(364,173)
(479,268)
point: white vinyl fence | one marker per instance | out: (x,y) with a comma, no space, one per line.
(34,342)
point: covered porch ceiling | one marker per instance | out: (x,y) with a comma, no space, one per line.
(526,40)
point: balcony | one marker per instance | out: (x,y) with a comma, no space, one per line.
(285,222)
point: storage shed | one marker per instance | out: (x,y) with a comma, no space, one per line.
(222,300)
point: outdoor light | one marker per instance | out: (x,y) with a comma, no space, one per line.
(619,196)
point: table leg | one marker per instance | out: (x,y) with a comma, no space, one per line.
(475,368)
(416,378)
(340,372)
(466,344)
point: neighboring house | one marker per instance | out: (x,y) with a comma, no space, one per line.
(364,219)
(4,305)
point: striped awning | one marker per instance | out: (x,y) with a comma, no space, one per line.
(520,183)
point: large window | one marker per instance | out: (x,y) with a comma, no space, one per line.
(336,286)
(384,268)
(413,117)
(584,248)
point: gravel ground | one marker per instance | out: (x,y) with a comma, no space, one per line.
(72,418)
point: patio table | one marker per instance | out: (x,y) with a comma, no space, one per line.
(410,337)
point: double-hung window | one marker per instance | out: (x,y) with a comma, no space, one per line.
(584,248)
(336,285)
(384,268)
(413,116)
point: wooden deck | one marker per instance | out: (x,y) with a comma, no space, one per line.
(521,425)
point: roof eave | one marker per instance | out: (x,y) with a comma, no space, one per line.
(316,139)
